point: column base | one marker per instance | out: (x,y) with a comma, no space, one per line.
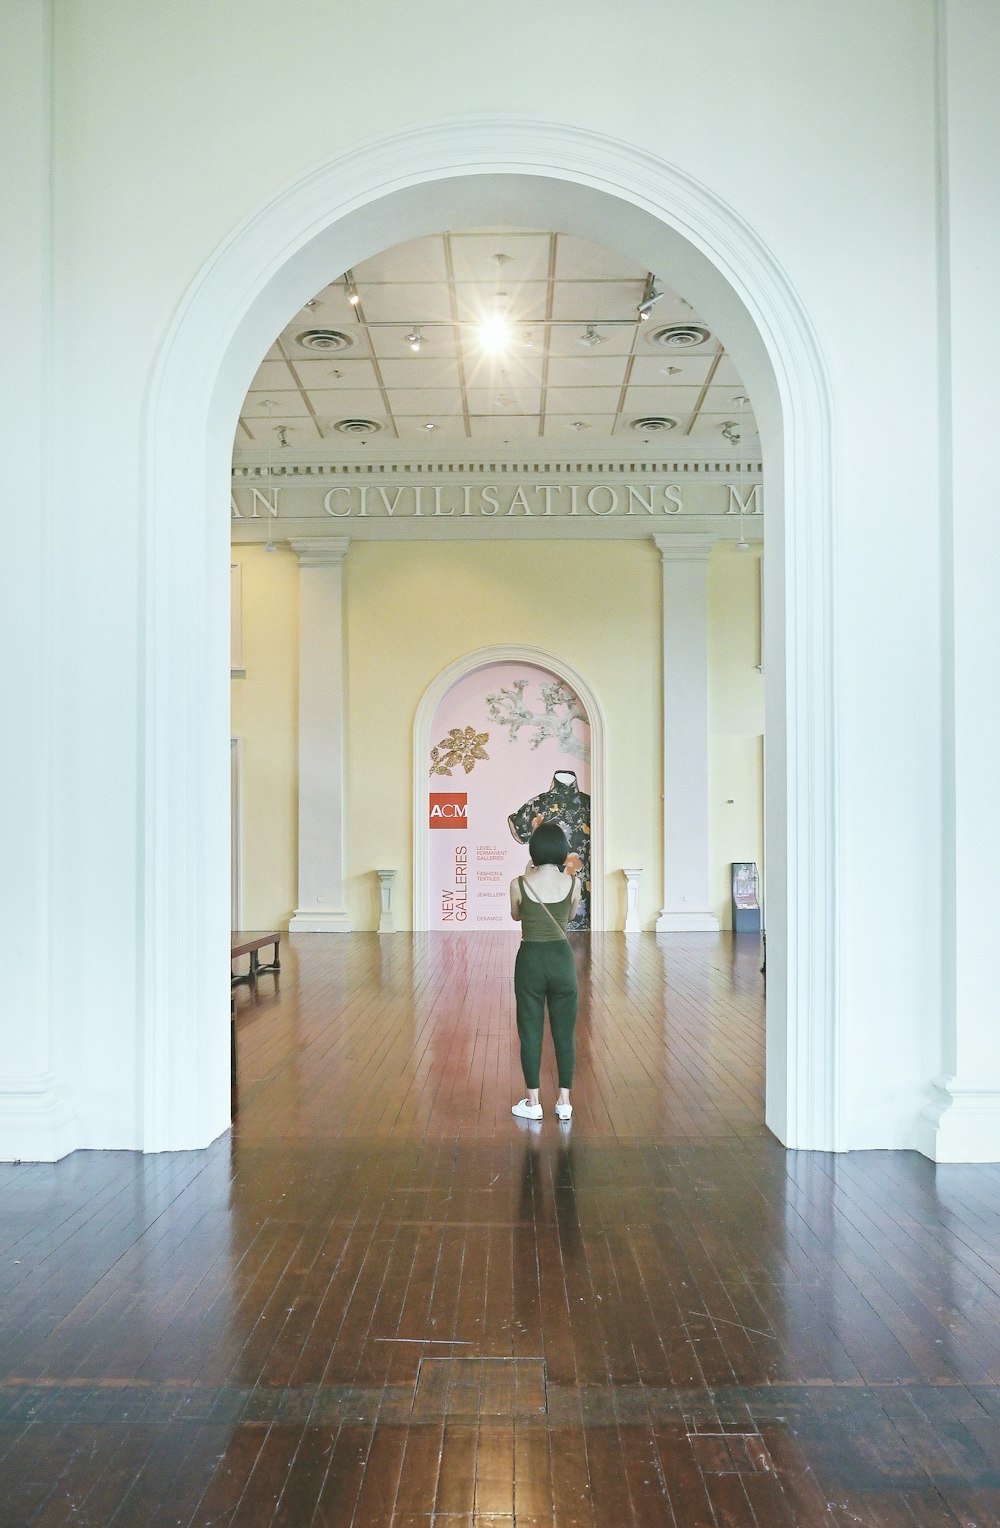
(36,1122)
(320,921)
(963,1124)
(687,923)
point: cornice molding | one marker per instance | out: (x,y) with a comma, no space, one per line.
(454,467)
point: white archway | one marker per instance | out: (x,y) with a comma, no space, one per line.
(435,693)
(460,174)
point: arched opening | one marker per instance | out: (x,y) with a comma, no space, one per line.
(535,664)
(460,175)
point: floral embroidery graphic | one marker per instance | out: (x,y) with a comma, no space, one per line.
(560,709)
(564,802)
(459,747)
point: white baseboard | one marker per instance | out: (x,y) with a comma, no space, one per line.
(963,1123)
(325,921)
(36,1122)
(687,923)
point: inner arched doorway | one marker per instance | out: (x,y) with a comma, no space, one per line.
(585,761)
(460,175)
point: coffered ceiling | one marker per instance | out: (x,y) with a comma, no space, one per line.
(496,339)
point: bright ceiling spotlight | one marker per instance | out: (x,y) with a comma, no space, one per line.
(494,333)
(414,339)
(354,299)
(591,337)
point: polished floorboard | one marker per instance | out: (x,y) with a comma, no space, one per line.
(379,1302)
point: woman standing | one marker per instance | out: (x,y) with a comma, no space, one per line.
(543,900)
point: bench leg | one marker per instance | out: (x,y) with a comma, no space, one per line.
(275,963)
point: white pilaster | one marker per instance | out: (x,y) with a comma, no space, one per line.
(963,1123)
(387,879)
(685,735)
(322,704)
(633,880)
(36,1123)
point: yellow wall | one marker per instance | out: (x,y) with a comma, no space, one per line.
(264,711)
(735,720)
(414,608)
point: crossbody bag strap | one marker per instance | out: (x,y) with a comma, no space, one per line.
(538,901)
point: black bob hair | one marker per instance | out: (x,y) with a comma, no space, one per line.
(548,845)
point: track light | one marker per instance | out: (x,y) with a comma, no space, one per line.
(591,337)
(649,296)
(414,339)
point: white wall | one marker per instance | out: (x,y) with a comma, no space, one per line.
(815,122)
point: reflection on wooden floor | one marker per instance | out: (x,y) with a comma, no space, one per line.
(383,1302)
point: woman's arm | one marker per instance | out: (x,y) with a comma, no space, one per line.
(577,894)
(515,899)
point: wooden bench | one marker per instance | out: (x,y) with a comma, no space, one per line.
(252,944)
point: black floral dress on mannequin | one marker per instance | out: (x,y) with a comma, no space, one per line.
(565,803)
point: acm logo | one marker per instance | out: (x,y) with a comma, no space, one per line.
(449,810)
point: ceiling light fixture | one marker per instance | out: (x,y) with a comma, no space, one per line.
(354,299)
(414,339)
(649,297)
(494,333)
(591,337)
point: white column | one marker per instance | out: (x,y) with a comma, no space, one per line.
(685,735)
(963,1122)
(322,704)
(36,1123)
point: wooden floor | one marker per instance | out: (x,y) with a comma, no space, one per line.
(381,1301)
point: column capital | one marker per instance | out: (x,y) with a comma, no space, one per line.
(320,551)
(685,546)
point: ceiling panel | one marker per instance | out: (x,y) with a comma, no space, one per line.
(520,365)
(447,431)
(438,343)
(671,370)
(420,371)
(577,427)
(661,400)
(272,374)
(587,370)
(336,375)
(487,430)
(409,302)
(580,260)
(586,300)
(416,260)
(574,400)
(299,431)
(520,301)
(274,405)
(429,402)
(614,341)
(512,400)
(473,258)
(336,405)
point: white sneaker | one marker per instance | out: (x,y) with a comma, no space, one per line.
(564,1111)
(524,1110)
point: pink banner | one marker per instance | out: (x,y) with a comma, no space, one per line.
(510,746)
